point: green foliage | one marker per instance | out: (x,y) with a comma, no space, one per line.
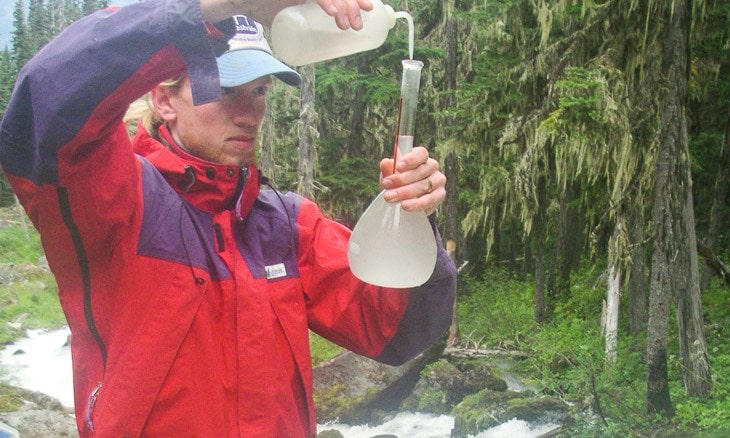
(11,398)
(348,188)
(566,355)
(495,310)
(17,245)
(27,293)
(322,349)
(431,401)
(7,78)
(471,415)
(380,89)
(713,414)
(33,302)
(335,401)
(578,95)
(710,415)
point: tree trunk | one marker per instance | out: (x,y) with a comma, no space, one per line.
(538,232)
(691,325)
(307,134)
(356,139)
(570,259)
(268,167)
(691,331)
(452,236)
(454,334)
(527,259)
(674,261)
(636,281)
(540,311)
(657,391)
(566,253)
(612,297)
(451,231)
(717,217)
(513,240)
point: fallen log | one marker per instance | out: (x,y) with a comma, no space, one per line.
(482,352)
(713,261)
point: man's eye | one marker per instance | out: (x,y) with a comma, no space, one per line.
(261,91)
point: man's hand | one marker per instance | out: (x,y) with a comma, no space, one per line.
(417,182)
(345,12)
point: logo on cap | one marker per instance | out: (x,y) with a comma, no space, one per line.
(246,26)
(249,35)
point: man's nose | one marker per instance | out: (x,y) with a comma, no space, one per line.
(245,112)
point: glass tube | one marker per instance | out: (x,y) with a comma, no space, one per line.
(410,83)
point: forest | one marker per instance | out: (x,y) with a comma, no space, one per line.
(586,146)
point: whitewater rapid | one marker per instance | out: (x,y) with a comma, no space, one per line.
(42,362)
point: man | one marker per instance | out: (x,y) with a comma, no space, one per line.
(189,291)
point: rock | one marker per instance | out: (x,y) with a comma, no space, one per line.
(542,409)
(11,273)
(444,384)
(35,422)
(438,390)
(36,415)
(488,408)
(354,389)
(330,433)
(43,263)
(478,375)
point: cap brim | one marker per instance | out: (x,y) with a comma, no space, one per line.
(240,67)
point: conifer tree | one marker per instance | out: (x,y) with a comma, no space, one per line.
(90,6)
(22,48)
(7,78)
(38,25)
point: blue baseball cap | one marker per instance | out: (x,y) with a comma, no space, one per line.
(249,57)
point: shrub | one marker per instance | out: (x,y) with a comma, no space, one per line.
(495,310)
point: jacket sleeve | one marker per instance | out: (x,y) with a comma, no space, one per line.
(389,325)
(62,134)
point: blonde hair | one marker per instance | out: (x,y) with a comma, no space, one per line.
(142,113)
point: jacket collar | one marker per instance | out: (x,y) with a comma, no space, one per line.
(211,187)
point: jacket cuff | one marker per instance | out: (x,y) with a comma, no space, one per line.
(198,47)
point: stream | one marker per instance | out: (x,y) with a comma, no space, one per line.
(42,362)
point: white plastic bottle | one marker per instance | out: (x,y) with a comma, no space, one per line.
(305,34)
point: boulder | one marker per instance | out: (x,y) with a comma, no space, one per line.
(438,390)
(354,389)
(444,384)
(36,415)
(488,408)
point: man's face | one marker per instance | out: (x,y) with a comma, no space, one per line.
(222,132)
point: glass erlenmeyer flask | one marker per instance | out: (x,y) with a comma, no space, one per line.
(389,246)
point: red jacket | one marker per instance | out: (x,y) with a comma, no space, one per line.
(189,293)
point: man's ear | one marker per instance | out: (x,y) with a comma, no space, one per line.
(161,100)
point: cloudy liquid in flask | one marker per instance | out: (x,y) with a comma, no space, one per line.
(389,246)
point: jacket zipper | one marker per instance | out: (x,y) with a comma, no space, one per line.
(90,403)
